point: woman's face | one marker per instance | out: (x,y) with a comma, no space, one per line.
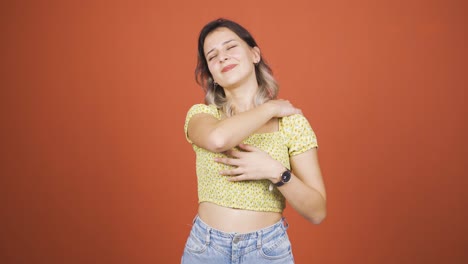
(230,60)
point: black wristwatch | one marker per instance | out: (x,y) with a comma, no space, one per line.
(285,177)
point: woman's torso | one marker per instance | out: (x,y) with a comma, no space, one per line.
(251,205)
(235,220)
(238,220)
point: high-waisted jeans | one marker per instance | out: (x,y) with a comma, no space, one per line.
(207,245)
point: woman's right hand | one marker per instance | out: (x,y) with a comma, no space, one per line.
(283,108)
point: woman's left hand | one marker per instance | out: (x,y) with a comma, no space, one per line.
(250,164)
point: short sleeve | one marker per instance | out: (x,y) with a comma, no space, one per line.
(299,134)
(199,109)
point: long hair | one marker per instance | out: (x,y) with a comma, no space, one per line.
(214,94)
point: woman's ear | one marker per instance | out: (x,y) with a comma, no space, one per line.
(256,55)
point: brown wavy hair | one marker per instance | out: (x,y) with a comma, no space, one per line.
(214,94)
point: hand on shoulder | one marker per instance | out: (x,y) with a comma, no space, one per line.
(282,108)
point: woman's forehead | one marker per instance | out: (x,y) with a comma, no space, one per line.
(218,37)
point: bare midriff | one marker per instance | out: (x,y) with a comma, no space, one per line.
(235,220)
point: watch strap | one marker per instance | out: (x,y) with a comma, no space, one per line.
(285,177)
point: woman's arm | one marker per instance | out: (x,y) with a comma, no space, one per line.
(305,192)
(216,135)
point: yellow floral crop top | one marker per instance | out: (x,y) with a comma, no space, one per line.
(293,137)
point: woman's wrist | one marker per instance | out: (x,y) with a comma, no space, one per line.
(276,171)
(271,109)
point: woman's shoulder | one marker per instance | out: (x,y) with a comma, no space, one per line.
(294,119)
(296,123)
(203,108)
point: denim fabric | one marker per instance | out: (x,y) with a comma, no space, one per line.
(210,246)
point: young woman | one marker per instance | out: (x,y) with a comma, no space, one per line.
(253,152)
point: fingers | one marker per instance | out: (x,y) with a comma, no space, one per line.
(237,178)
(233,172)
(285,108)
(239,154)
(248,148)
(227,161)
(233,153)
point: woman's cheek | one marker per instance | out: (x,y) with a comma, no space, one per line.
(212,68)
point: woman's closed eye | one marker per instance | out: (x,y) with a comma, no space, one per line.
(230,47)
(212,57)
(216,54)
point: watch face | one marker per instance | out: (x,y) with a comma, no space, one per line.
(286,176)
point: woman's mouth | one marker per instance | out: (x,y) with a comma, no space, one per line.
(228,67)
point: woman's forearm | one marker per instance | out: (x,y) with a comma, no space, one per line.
(231,131)
(221,135)
(306,200)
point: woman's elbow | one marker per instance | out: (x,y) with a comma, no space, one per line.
(318,217)
(217,142)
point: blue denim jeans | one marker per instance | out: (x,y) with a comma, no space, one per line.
(207,245)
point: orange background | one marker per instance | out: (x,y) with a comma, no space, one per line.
(95,167)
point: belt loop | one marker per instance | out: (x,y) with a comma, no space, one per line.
(208,235)
(259,239)
(285,223)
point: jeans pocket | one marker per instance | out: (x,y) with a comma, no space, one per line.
(195,245)
(277,248)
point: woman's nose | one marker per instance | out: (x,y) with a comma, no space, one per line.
(223,56)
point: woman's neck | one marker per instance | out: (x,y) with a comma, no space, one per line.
(242,97)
